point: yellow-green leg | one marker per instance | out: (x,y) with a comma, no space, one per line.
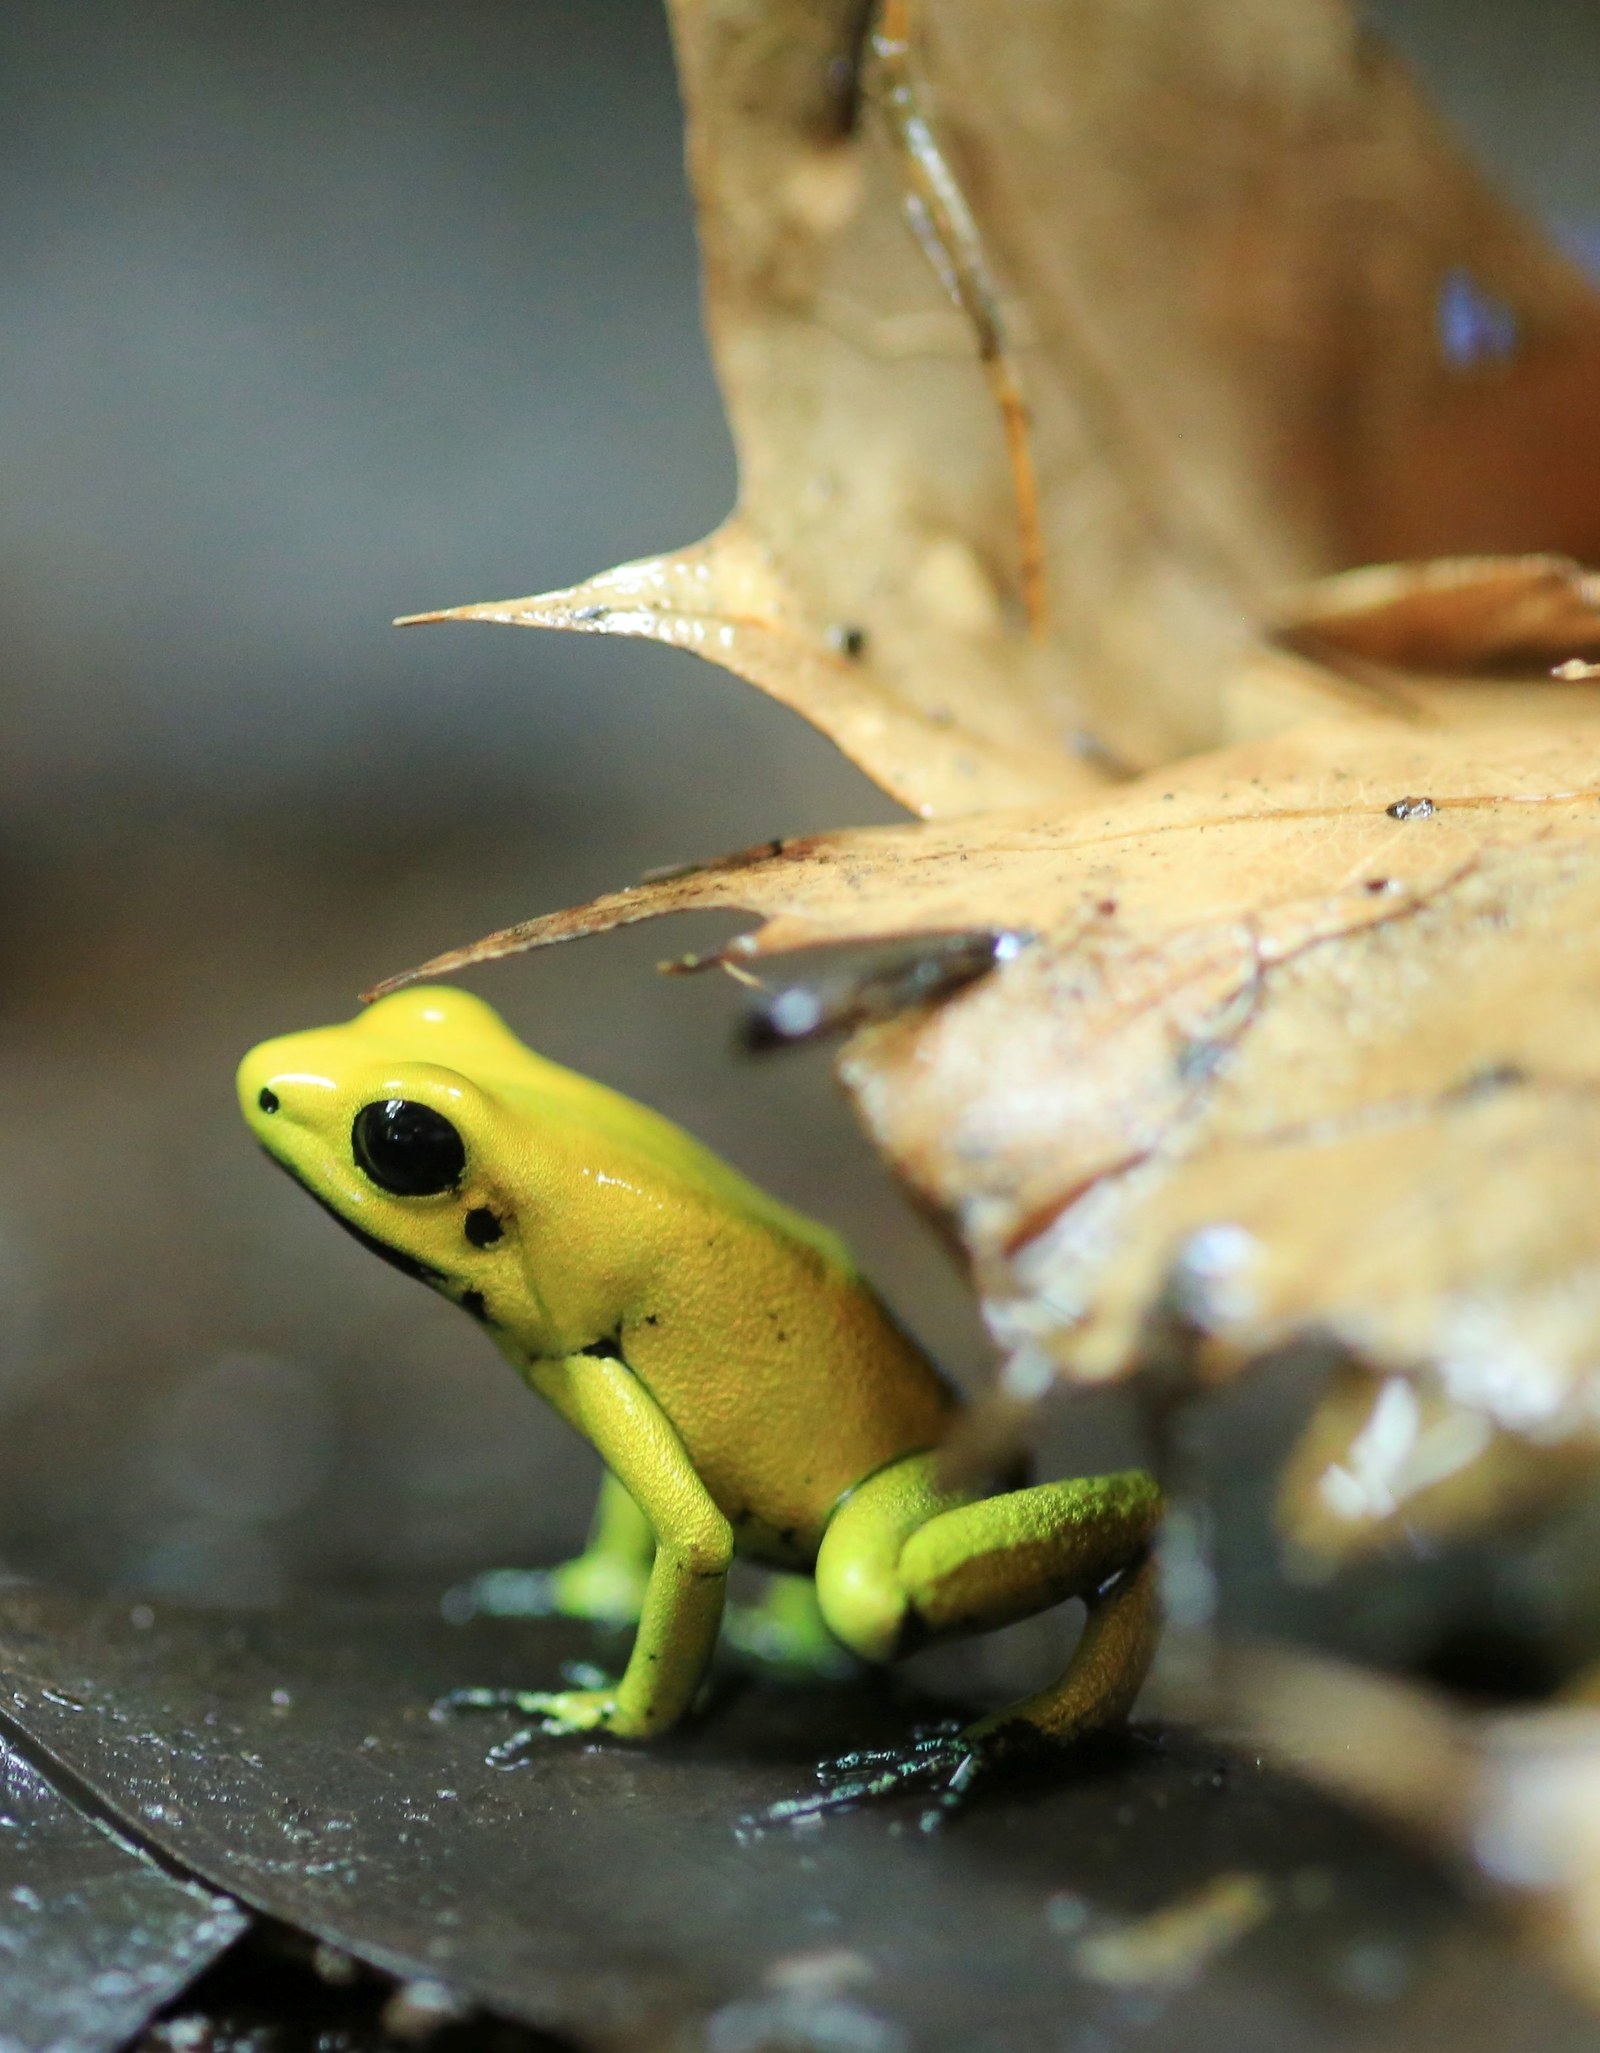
(607,1581)
(604,1584)
(682,1610)
(988,1564)
(904,1564)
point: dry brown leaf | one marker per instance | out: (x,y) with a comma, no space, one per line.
(1467,616)
(1306,1043)
(1269,322)
(1475,641)
(1301,1042)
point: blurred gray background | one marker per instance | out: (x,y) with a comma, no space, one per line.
(311,315)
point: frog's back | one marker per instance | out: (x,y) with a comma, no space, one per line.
(786,1375)
(544,1090)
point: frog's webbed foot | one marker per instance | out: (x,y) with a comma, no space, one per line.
(556,1714)
(943,1762)
(594,1586)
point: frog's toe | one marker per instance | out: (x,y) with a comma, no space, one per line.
(941,1761)
(591,1587)
(558,1716)
(521,1746)
(525,1702)
(555,1713)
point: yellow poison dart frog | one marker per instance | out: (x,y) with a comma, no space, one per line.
(746,1390)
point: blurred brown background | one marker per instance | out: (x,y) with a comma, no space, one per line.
(313,315)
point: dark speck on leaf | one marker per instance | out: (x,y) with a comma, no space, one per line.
(1197,1059)
(848,641)
(1492,1078)
(1411,809)
(1377,884)
(1106,907)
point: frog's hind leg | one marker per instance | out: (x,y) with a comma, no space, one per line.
(903,1564)
(984,1565)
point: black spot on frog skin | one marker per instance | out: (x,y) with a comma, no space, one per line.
(472,1304)
(268,1100)
(608,1349)
(481,1226)
(651,1319)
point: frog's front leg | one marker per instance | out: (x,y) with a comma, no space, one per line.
(683,1600)
(605,1584)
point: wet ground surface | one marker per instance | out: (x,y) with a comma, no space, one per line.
(1163,1896)
(93,1935)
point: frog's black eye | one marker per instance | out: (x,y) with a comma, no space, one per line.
(407,1149)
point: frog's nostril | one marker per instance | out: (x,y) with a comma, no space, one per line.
(268,1100)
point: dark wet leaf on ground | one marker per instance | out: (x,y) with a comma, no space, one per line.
(1163,1895)
(94,1937)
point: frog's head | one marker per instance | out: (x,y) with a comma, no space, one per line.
(386,1122)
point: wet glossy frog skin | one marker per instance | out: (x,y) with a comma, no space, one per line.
(743,1385)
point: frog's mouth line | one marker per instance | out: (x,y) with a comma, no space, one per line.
(408,1265)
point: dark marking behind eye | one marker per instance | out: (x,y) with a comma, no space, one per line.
(268,1100)
(481,1226)
(408,1265)
(471,1302)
